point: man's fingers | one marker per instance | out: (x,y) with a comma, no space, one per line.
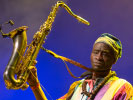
(33,68)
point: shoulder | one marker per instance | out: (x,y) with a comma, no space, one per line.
(71,89)
(74,84)
(126,83)
(123,86)
(118,80)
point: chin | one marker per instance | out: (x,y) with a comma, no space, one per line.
(98,67)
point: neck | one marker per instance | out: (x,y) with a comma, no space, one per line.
(96,75)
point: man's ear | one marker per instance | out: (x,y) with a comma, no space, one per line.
(114,61)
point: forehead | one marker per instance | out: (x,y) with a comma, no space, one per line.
(102,47)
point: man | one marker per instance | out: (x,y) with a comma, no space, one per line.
(100,85)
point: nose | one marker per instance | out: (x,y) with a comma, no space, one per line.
(99,56)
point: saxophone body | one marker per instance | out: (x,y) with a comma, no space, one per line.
(19,42)
(23,55)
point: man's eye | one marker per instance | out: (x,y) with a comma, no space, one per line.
(95,52)
(105,54)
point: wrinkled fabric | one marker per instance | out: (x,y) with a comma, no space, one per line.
(114,89)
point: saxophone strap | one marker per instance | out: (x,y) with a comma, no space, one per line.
(64,59)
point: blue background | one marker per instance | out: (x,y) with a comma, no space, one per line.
(68,38)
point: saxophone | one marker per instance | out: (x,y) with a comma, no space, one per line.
(23,55)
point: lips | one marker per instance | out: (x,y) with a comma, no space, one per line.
(98,63)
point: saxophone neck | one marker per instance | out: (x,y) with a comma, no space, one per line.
(80,19)
(51,17)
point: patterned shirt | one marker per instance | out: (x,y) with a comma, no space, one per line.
(114,89)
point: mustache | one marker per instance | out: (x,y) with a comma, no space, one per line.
(98,63)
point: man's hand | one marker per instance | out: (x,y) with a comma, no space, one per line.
(33,79)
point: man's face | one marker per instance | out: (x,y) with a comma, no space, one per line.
(102,56)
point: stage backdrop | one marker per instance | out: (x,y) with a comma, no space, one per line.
(68,38)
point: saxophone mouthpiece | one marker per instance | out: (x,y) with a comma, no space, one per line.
(82,20)
(10,22)
(3,34)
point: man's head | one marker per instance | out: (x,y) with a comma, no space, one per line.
(106,51)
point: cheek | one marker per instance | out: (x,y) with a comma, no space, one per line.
(108,62)
(92,58)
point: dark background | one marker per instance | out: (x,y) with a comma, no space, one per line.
(68,38)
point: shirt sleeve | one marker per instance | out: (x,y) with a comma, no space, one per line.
(70,91)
